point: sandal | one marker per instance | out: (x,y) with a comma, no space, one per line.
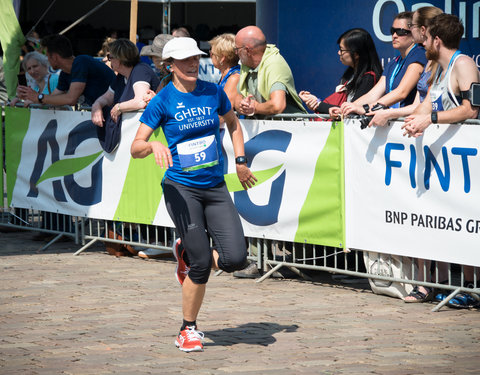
(419,296)
(118,249)
(463,301)
(440,297)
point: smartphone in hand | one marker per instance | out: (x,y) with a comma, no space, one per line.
(22,79)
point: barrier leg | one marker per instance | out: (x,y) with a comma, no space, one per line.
(299,273)
(55,239)
(445,301)
(276,268)
(262,251)
(77,236)
(85,247)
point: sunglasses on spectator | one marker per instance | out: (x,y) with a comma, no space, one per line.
(399,31)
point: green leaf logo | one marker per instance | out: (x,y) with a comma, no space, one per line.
(233,184)
(68,166)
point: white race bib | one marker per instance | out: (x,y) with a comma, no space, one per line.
(198,153)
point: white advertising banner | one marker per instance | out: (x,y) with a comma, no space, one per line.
(58,165)
(417,197)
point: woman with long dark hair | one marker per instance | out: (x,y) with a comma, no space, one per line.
(356,51)
(398,85)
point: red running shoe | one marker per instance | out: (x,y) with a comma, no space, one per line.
(181,271)
(190,340)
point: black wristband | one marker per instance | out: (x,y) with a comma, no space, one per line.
(366,108)
(434,117)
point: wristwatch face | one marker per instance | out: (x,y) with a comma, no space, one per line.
(40,98)
(241,160)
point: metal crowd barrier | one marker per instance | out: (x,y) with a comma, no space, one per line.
(271,256)
(53,225)
(350,262)
(139,236)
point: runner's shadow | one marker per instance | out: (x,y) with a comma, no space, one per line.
(250,333)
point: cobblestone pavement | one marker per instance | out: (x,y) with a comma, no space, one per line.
(97,314)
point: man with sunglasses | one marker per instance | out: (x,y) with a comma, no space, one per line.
(448,100)
(80,76)
(266,82)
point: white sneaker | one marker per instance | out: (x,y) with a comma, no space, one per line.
(152,253)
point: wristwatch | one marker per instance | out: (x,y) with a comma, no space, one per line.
(434,117)
(241,160)
(366,108)
(40,98)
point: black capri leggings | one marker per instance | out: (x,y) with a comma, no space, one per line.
(194,212)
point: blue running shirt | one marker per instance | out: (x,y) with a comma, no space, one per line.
(191,126)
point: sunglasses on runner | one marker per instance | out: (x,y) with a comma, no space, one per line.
(399,31)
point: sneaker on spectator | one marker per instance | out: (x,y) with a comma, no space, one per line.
(249,272)
(190,340)
(181,271)
(152,253)
(252,272)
